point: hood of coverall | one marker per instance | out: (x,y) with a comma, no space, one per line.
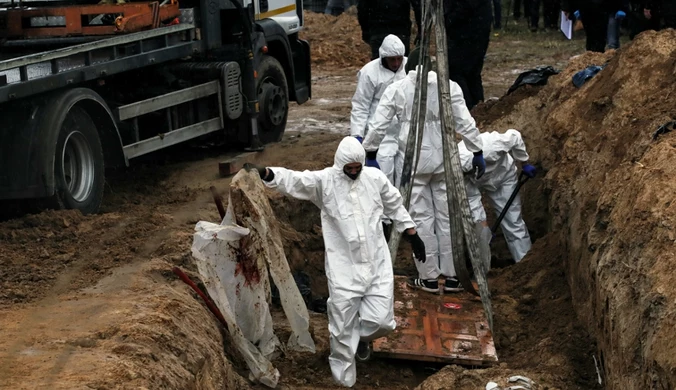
(349,151)
(392,46)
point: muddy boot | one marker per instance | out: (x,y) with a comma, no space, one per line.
(364,351)
(431,286)
(452,285)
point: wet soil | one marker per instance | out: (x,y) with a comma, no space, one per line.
(89,301)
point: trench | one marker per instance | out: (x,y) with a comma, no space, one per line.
(534,314)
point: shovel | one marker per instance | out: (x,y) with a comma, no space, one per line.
(522,180)
(487,238)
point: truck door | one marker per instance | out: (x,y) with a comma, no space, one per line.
(284,12)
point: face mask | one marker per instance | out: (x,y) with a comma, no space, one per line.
(352,176)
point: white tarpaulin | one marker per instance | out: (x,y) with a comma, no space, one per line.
(234,259)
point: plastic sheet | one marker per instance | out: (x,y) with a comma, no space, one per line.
(235,260)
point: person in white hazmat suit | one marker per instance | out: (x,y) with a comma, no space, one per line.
(352,199)
(498,183)
(429,207)
(372,80)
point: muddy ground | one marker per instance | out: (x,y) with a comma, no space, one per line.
(90,301)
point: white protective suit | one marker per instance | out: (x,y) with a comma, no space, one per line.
(358,263)
(499,181)
(429,207)
(372,80)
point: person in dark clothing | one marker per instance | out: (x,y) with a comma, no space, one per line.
(468,30)
(550,14)
(380,18)
(665,9)
(644,15)
(336,7)
(497,14)
(526,9)
(594,15)
(669,13)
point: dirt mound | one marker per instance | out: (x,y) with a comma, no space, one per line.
(36,248)
(335,41)
(166,339)
(609,192)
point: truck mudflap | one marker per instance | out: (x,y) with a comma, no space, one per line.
(302,70)
(20,163)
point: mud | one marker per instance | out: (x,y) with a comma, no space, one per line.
(608,191)
(90,300)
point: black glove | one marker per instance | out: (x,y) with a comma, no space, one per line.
(265,173)
(418,246)
(387,230)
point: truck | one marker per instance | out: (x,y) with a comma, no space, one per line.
(86,87)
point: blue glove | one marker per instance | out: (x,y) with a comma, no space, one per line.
(577,14)
(529,170)
(360,139)
(620,15)
(372,163)
(478,164)
(371,159)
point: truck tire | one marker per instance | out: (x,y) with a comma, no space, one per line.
(79,163)
(273,97)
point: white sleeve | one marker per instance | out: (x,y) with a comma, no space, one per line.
(361,104)
(515,145)
(378,125)
(393,205)
(464,123)
(306,185)
(465,157)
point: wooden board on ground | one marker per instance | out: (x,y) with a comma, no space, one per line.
(449,328)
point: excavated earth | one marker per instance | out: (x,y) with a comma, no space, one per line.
(91,302)
(607,202)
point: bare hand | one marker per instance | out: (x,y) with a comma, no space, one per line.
(647,14)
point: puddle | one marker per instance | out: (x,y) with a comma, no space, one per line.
(310,125)
(326,102)
(30,352)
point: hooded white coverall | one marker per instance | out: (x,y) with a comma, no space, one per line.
(499,181)
(372,80)
(358,264)
(429,207)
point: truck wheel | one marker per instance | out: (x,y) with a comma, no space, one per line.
(273,97)
(78,163)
